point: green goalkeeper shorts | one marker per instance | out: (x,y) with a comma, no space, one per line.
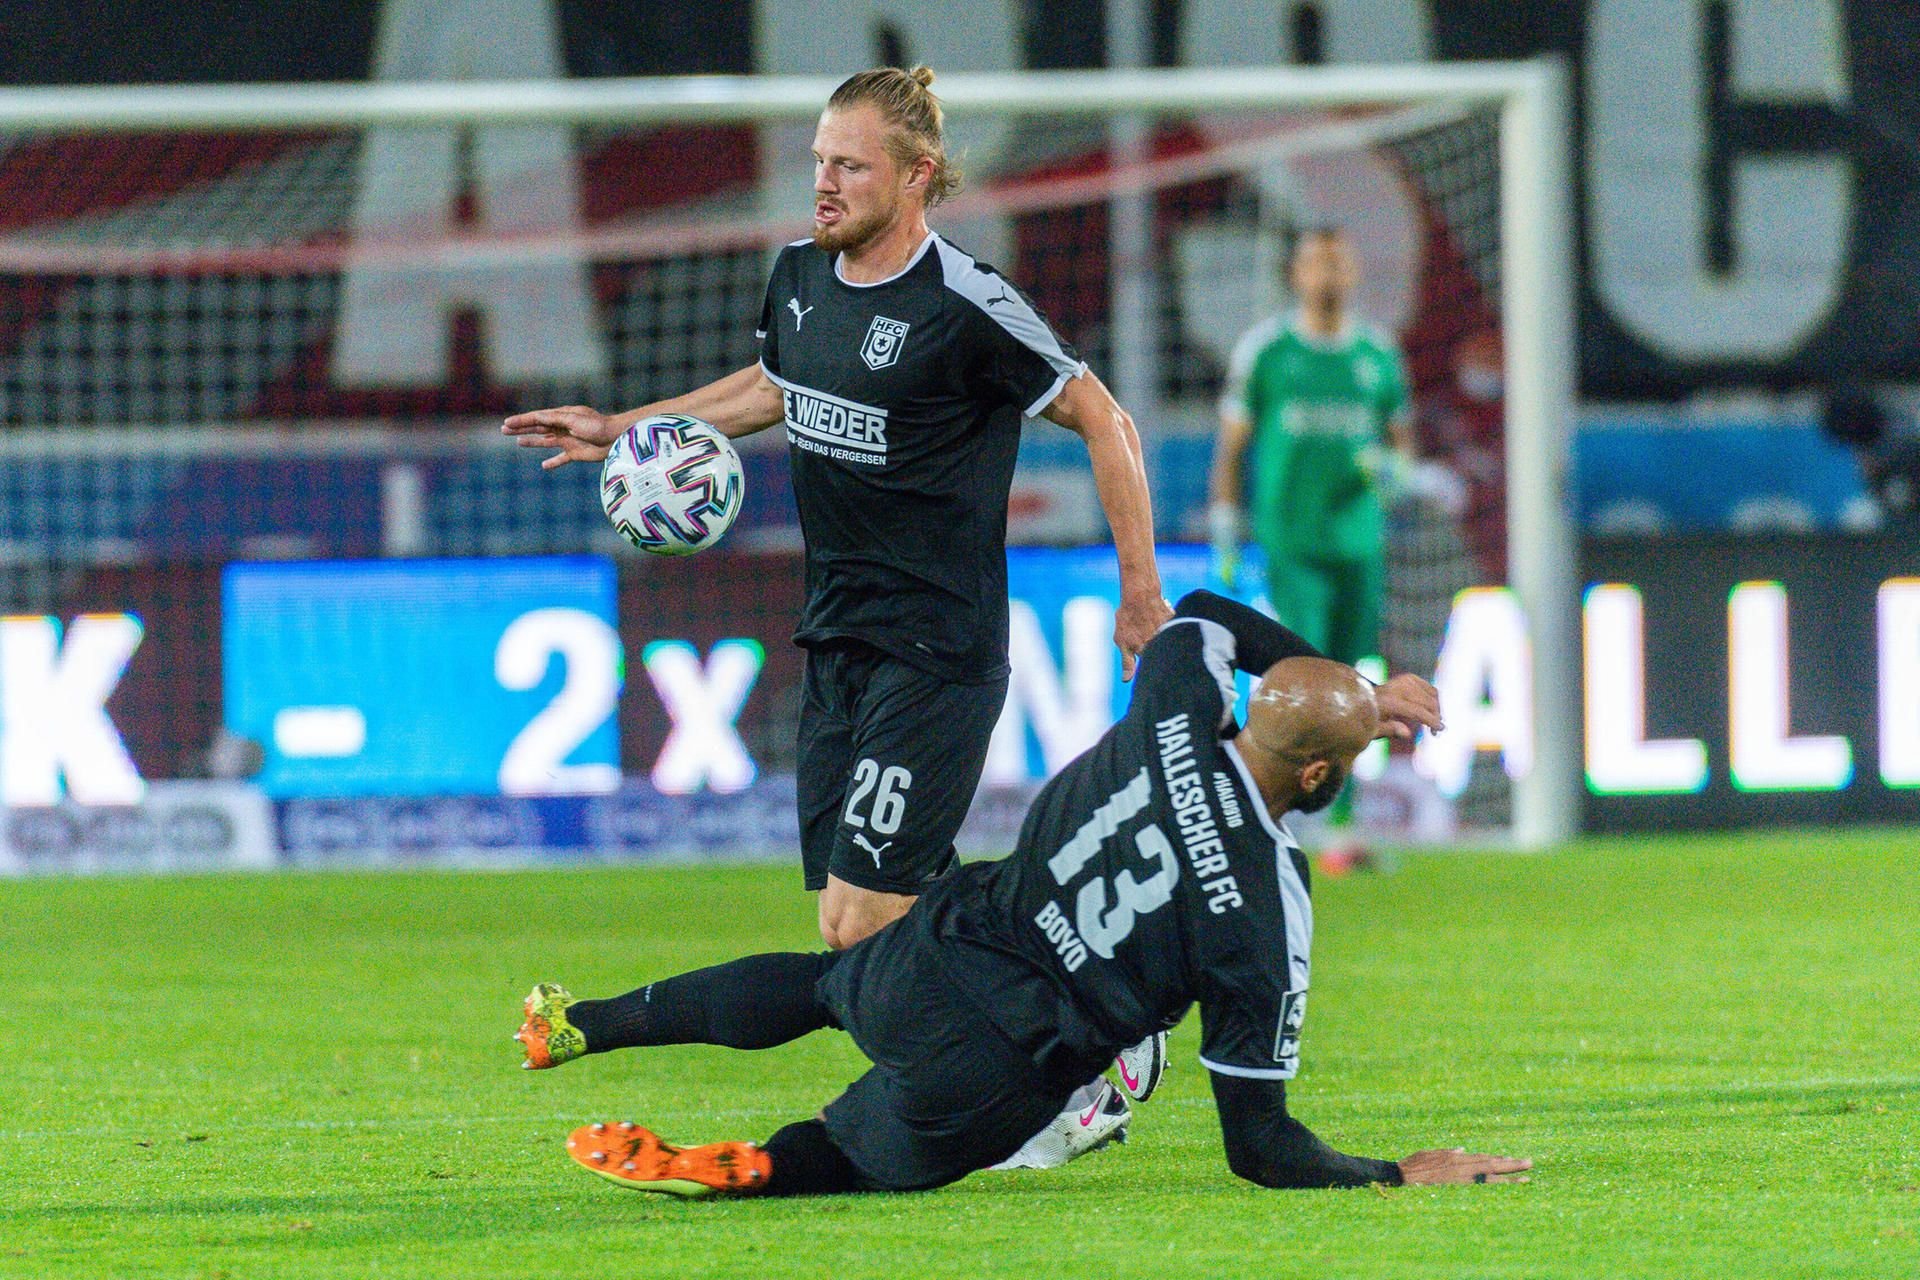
(1334,605)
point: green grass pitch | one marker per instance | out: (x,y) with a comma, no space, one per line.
(1707,1044)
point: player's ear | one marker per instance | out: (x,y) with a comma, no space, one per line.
(1313,774)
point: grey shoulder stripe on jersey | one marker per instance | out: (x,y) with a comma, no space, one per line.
(1045,398)
(1294,898)
(1233,391)
(1006,307)
(1282,836)
(1253,341)
(1216,650)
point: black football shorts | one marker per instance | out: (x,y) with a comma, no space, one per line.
(889,758)
(948,1093)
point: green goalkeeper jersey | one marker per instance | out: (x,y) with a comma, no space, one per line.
(1319,410)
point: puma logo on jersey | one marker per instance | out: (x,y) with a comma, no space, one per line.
(799,312)
(876,851)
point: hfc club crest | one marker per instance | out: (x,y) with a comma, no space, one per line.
(882,346)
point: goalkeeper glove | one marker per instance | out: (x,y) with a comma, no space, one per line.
(1398,478)
(1223,532)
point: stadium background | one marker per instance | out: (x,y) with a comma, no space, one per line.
(192,485)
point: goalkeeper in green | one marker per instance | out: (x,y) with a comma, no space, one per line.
(1320,401)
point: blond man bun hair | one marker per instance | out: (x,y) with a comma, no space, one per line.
(916,127)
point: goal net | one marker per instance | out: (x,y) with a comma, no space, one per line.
(272,338)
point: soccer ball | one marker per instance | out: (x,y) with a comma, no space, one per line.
(671,484)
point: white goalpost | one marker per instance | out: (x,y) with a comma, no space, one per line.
(282,251)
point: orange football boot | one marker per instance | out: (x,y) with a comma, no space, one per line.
(637,1159)
(546,1035)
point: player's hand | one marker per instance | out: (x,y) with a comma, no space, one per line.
(1137,621)
(1407,704)
(1458,1165)
(575,432)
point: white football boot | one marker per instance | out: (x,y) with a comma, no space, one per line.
(1141,1067)
(1084,1126)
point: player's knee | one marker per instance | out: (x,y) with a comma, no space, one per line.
(849,914)
(843,925)
(836,922)
(830,932)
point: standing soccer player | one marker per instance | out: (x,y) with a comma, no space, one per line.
(902,369)
(1321,402)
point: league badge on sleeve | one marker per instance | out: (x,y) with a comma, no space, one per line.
(882,346)
(1286,1040)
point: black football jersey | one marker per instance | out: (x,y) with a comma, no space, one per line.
(1148,876)
(904,400)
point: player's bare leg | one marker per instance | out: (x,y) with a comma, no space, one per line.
(849,913)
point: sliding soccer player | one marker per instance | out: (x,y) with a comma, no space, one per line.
(1153,872)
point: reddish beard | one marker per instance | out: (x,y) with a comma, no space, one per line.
(850,233)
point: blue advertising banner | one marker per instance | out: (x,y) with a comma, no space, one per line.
(1066,685)
(637,823)
(1051,585)
(425,677)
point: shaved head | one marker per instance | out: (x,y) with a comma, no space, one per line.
(1312,707)
(1308,719)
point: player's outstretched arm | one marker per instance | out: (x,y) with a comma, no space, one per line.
(1258,641)
(1086,408)
(1224,487)
(1268,1147)
(1407,703)
(739,404)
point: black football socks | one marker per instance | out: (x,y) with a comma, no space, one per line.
(755,1002)
(807,1163)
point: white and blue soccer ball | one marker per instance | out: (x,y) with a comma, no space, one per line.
(671,484)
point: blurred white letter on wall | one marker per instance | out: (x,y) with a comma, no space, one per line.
(1900,682)
(1648,145)
(536,306)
